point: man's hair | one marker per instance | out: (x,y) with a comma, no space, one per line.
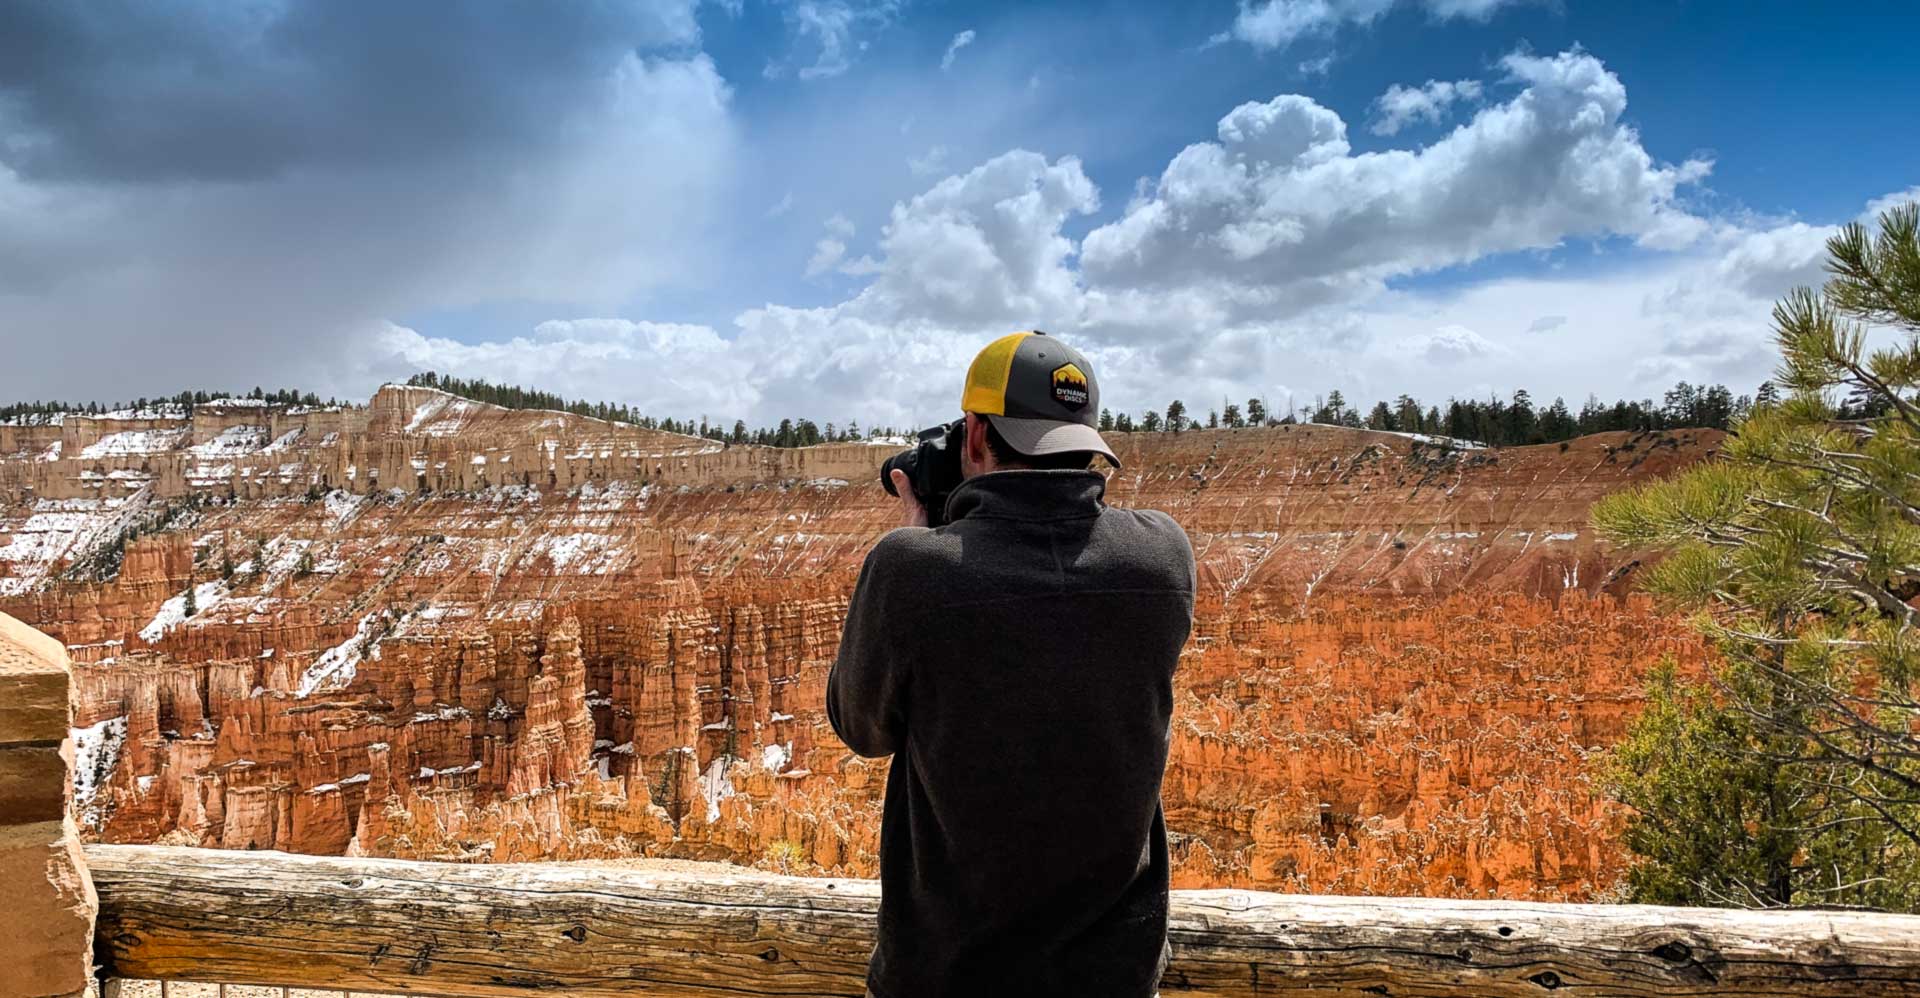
(1004,454)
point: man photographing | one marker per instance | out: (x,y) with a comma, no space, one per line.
(1017,661)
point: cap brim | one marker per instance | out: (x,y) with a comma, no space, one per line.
(1037,437)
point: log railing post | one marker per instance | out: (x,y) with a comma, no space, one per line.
(47,903)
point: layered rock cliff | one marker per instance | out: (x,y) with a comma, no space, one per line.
(430,627)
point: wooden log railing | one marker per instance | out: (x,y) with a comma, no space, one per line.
(426,928)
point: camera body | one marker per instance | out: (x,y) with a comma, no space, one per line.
(932,467)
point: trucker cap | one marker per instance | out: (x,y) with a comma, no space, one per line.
(1039,393)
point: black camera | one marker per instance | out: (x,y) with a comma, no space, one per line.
(932,467)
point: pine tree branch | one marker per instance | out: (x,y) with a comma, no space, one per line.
(1906,831)
(1907,509)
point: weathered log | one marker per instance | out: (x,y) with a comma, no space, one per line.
(428,928)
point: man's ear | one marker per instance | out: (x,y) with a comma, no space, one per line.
(977,453)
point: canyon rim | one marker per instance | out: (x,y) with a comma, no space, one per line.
(428,627)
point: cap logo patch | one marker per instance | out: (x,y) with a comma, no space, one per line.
(1070,386)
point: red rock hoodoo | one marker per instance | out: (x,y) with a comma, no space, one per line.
(434,628)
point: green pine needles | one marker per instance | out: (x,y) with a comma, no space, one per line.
(1791,775)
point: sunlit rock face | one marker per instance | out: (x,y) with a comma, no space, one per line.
(428,627)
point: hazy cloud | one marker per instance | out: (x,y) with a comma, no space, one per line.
(829,34)
(1401,105)
(124,90)
(1316,67)
(934,162)
(1275,24)
(1453,344)
(237,194)
(960,41)
(832,248)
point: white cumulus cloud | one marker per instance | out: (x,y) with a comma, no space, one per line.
(1279,214)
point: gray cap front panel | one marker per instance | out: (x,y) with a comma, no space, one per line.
(1050,380)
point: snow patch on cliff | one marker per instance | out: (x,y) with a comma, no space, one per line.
(580,554)
(55,529)
(173,612)
(337,666)
(441,416)
(284,440)
(131,442)
(342,506)
(96,750)
(234,441)
(716,787)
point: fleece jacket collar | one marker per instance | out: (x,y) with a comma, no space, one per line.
(1028,495)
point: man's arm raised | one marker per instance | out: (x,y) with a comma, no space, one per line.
(867,688)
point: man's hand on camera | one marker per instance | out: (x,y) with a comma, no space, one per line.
(912,513)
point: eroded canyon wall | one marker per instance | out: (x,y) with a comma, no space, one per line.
(429,627)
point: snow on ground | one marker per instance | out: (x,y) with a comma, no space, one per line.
(337,666)
(35,419)
(133,442)
(776,756)
(233,441)
(96,750)
(1457,443)
(173,612)
(166,410)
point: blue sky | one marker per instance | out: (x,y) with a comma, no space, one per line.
(822,207)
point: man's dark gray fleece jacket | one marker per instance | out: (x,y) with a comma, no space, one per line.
(1018,663)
